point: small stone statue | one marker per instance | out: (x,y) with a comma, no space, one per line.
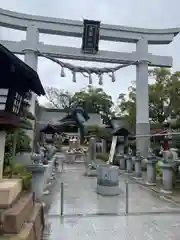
(161,150)
(172,157)
(36,158)
(150,153)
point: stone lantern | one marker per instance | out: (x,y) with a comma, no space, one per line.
(11,105)
(17,80)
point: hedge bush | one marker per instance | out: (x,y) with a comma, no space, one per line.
(102,156)
(20,171)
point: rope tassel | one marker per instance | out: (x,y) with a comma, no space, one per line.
(113,77)
(74,77)
(90,79)
(100,79)
(62,72)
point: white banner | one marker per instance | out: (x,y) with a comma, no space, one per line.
(113,148)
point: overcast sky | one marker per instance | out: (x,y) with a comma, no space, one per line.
(137,13)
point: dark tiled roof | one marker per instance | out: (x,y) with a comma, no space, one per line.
(49,129)
(120,131)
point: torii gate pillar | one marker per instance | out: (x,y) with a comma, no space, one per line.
(142,98)
(31,58)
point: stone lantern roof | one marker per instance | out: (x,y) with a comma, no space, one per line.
(14,72)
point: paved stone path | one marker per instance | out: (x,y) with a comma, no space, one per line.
(91,216)
(123,228)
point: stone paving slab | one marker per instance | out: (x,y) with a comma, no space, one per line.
(123,228)
(174,196)
(80,196)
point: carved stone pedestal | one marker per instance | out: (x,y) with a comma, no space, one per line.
(38,178)
(70,157)
(108,180)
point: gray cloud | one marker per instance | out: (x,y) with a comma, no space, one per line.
(139,13)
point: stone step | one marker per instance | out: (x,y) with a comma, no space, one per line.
(37,219)
(27,233)
(9,191)
(14,218)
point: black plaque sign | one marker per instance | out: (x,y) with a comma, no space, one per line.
(90,41)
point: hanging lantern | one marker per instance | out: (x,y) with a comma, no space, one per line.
(113,77)
(100,79)
(62,72)
(90,79)
(74,76)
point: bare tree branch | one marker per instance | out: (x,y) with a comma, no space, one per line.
(59,98)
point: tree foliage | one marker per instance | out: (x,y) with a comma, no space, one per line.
(95,100)
(164,97)
(18,141)
(100,132)
(59,98)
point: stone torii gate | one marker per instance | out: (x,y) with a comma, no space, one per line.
(33,25)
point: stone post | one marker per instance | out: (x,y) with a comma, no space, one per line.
(74,143)
(138,172)
(167,177)
(165,156)
(2,150)
(103,146)
(70,144)
(151,170)
(129,164)
(125,144)
(122,161)
(78,141)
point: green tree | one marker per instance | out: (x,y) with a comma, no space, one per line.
(127,106)
(164,97)
(95,99)
(18,141)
